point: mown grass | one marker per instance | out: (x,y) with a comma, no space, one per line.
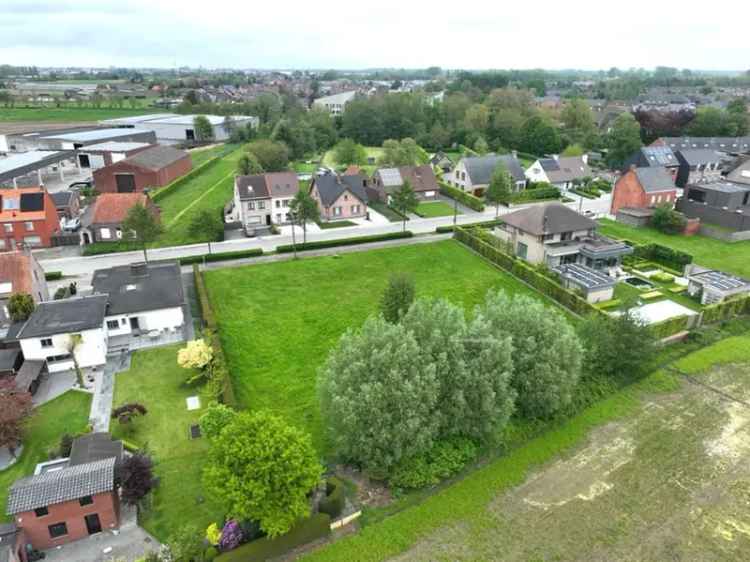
(156,381)
(435,209)
(71,114)
(68,413)
(730,350)
(732,258)
(279,321)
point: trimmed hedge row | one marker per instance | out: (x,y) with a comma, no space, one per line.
(176,184)
(537,194)
(52,275)
(669,327)
(306,531)
(726,310)
(483,224)
(209,320)
(663,255)
(527,273)
(221,256)
(471,201)
(584,194)
(99,248)
(321,244)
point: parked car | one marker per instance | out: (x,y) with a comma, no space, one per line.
(83,184)
(72,225)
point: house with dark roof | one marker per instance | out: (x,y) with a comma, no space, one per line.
(67,204)
(556,235)
(653,156)
(473,174)
(722,203)
(421,178)
(147,169)
(102,220)
(725,145)
(28,217)
(560,171)
(69,499)
(698,165)
(20,272)
(738,171)
(643,188)
(340,197)
(262,200)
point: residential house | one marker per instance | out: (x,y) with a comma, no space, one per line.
(726,145)
(441,161)
(103,154)
(595,286)
(282,187)
(28,217)
(698,165)
(335,104)
(67,204)
(385,181)
(738,171)
(264,199)
(713,286)
(473,174)
(340,197)
(102,221)
(20,272)
(555,235)
(643,188)
(560,171)
(654,156)
(150,168)
(721,203)
(69,499)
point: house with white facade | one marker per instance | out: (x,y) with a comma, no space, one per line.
(264,199)
(560,171)
(473,174)
(335,104)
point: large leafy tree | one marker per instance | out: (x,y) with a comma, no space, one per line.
(378,396)
(142,225)
(405,152)
(738,117)
(404,200)
(15,409)
(578,122)
(540,136)
(20,306)
(349,152)
(304,209)
(203,129)
(137,478)
(206,225)
(272,156)
(248,165)
(398,296)
(500,188)
(665,219)
(546,352)
(623,139)
(260,468)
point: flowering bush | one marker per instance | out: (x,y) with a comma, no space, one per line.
(195,355)
(213,534)
(231,536)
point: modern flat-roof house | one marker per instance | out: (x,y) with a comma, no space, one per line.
(153,167)
(27,169)
(555,235)
(340,197)
(263,199)
(720,203)
(69,499)
(28,217)
(595,286)
(171,128)
(713,286)
(560,171)
(335,104)
(643,188)
(20,272)
(654,156)
(102,220)
(473,174)
(97,156)
(738,171)
(421,178)
(698,165)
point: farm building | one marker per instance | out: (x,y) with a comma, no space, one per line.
(154,167)
(170,128)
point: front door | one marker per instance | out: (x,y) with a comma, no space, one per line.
(268,220)
(93,525)
(125,183)
(134,323)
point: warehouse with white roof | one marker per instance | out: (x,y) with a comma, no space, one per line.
(171,128)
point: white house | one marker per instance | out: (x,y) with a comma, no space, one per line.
(473,174)
(264,199)
(335,104)
(559,171)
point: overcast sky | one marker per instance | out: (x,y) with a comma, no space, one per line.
(375,33)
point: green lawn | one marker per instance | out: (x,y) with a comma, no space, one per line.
(68,413)
(732,258)
(435,209)
(335,224)
(278,321)
(385,210)
(371,151)
(156,381)
(71,114)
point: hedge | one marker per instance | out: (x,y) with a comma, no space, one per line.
(474,203)
(583,193)
(333,503)
(52,275)
(176,184)
(669,327)
(209,320)
(99,248)
(527,273)
(221,256)
(537,194)
(320,244)
(663,255)
(726,310)
(484,224)
(306,531)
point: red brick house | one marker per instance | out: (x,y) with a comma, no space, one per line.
(12,543)
(28,216)
(103,219)
(643,188)
(150,168)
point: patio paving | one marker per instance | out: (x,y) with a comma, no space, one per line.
(54,385)
(663,310)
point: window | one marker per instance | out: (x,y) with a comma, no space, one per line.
(278,217)
(105,234)
(337,211)
(113,325)
(11,204)
(251,205)
(346,198)
(29,225)
(86,500)
(41,511)
(261,205)
(47,342)
(278,203)
(566,236)
(522,250)
(286,202)
(697,195)
(58,530)
(355,209)
(8,227)
(32,240)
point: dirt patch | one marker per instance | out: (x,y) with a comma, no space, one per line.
(369,492)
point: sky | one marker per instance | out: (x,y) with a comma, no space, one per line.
(351,34)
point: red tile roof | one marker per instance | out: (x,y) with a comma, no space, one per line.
(112,208)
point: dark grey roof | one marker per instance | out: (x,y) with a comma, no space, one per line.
(585,276)
(550,218)
(62,198)
(64,317)
(8,532)
(480,168)
(157,157)
(29,372)
(734,145)
(330,187)
(720,280)
(8,358)
(654,179)
(95,447)
(695,156)
(739,170)
(565,168)
(252,187)
(720,186)
(69,483)
(140,287)
(652,156)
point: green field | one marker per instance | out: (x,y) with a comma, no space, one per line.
(72,114)
(732,258)
(435,209)
(279,321)
(156,381)
(68,413)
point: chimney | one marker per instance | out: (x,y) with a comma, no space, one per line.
(138,269)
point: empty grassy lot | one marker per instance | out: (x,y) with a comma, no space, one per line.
(435,209)
(156,381)
(658,471)
(279,321)
(68,413)
(732,258)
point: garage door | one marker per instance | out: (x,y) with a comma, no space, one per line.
(125,183)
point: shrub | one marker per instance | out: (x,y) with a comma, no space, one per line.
(669,327)
(66,444)
(474,203)
(213,534)
(321,244)
(665,219)
(53,275)
(303,532)
(444,460)
(231,536)
(535,194)
(333,503)
(216,418)
(484,224)
(663,277)
(397,297)
(726,310)
(662,255)
(210,554)
(195,355)
(221,256)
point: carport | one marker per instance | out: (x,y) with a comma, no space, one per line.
(19,166)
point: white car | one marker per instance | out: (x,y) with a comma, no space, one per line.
(71,225)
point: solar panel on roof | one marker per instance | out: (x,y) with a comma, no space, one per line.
(32,202)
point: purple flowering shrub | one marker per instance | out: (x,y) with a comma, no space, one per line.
(231,536)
